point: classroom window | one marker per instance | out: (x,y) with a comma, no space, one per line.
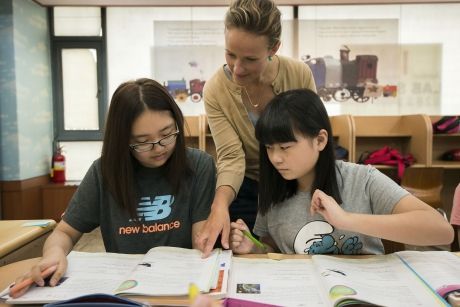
(77,21)
(79,84)
(80,95)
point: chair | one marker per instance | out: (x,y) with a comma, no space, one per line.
(425,183)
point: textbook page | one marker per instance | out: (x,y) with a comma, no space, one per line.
(220,280)
(440,269)
(87,273)
(168,271)
(287,282)
(382,280)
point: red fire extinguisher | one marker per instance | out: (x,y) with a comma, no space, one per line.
(58,166)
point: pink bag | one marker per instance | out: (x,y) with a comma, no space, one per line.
(389,156)
(447,124)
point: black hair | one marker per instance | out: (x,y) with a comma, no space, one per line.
(128,102)
(300,111)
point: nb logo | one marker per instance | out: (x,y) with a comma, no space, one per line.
(154,210)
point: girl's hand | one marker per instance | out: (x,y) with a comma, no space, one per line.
(329,209)
(35,273)
(239,243)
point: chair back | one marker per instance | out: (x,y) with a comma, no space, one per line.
(424,183)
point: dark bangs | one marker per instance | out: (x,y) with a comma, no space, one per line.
(273,127)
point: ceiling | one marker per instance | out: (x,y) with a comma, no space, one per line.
(219,2)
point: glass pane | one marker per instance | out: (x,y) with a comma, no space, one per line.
(79,79)
(77,21)
(79,156)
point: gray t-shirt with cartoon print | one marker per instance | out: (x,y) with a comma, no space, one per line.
(363,188)
(164,219)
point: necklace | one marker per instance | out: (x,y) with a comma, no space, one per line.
(249,98)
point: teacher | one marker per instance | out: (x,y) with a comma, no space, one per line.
(234,98)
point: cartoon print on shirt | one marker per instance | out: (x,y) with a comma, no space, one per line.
(316,238)
(157,209)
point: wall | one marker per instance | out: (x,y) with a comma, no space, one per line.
(26,107)
(8,127)
(25,87)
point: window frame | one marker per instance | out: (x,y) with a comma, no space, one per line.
(58,43)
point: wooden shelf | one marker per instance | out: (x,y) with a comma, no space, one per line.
(389,135)
(406,133)
(441,143)
(198,134)
(363,134)
(446,135)
(342,129)
(446,164)
(379,166)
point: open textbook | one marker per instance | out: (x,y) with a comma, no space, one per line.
(408,278)
(162,272)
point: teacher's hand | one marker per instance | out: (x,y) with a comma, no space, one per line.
(217,223)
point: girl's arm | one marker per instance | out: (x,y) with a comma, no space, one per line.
(196,229)
(56,248)
(411,222)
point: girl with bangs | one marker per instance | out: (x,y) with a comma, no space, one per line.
(147,189)
(311,203)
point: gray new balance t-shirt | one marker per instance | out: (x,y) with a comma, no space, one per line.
(164,219)
(363,188)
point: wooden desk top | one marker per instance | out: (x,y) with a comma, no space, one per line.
(14,235)
(11,271)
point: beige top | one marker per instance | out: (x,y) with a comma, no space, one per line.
(231,128)
(15,234)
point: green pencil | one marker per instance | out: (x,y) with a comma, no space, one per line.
(249,235)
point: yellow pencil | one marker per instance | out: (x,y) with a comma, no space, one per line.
(193,292)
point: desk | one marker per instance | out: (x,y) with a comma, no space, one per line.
(18,242)
(9,272)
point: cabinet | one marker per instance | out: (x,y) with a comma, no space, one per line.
(198,135)
(56,197)
(360,134)
(406,133)
(342,128)
(442,143)
(194,131)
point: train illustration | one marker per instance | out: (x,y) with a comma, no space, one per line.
(179,91)
(342,79)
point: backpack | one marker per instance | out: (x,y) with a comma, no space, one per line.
(451,155)
(388,156)
(447,124)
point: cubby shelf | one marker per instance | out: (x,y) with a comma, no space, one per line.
(442,143)
(360,134)
(408,133)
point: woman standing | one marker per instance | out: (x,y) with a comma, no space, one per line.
(234,98)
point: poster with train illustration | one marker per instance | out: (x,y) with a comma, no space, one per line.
(343,78)
(184,55)
(368,66)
